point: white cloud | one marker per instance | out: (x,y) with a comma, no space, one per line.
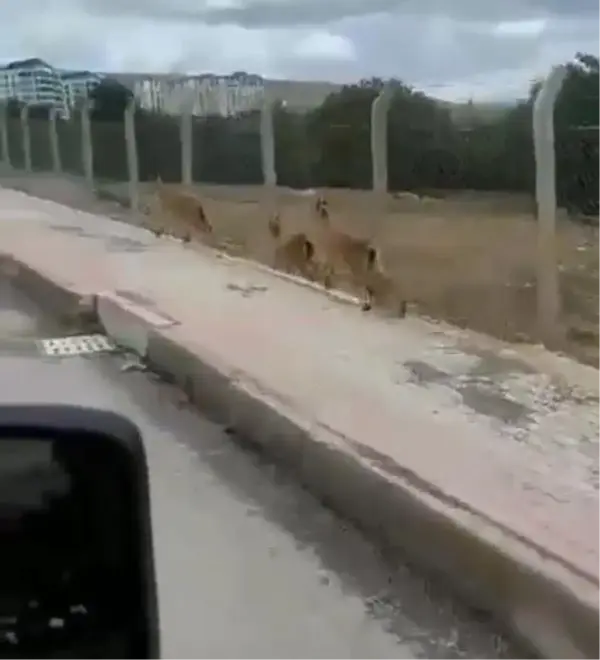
(321,44)
(531,28)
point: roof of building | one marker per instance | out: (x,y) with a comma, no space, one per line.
(30,63)
(80,75)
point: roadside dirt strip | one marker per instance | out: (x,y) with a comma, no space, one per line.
(477,459)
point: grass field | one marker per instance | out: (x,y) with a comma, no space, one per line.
(468,259)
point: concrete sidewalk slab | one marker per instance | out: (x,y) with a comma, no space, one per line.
(478,459)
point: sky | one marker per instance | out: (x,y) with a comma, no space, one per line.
(453,49)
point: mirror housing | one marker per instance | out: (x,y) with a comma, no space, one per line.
(76,544)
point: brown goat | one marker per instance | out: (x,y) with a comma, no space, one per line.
(182,213)
(294,254)
(340,252)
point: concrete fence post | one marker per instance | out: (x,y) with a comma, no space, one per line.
(267,144)
(87,153)
(379,148)
(26,139)
(53,139)
(548,286)
(132,156)
(4,136)
(187,142)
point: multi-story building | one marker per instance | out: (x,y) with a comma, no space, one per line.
(78,85)
(224,95)
(33,82)
(204,95)
(36,83)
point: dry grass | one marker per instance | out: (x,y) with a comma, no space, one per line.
(468,259)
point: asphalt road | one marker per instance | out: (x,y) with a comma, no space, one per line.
(248,564)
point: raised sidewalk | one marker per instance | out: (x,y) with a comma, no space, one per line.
(478,459)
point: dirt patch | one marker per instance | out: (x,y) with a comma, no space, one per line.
(467,258)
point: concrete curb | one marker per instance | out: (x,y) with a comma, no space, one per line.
(549,607)
(76,311)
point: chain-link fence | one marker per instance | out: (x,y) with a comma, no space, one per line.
(322,152)
(449,200)
(424,149)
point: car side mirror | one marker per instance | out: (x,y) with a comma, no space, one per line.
(76,551)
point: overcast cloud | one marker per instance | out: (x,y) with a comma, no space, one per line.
(452,48)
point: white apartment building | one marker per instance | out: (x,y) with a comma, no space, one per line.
(204,95)
(78,85)
(36,83)
(33,82)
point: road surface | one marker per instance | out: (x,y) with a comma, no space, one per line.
(248,564)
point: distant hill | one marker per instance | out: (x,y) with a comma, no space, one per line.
(465,114)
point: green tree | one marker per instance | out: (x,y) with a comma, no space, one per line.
(339,131)
(422,142)
(109,100)
(422,139)
(576,122)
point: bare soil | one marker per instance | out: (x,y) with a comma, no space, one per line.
(466,258)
